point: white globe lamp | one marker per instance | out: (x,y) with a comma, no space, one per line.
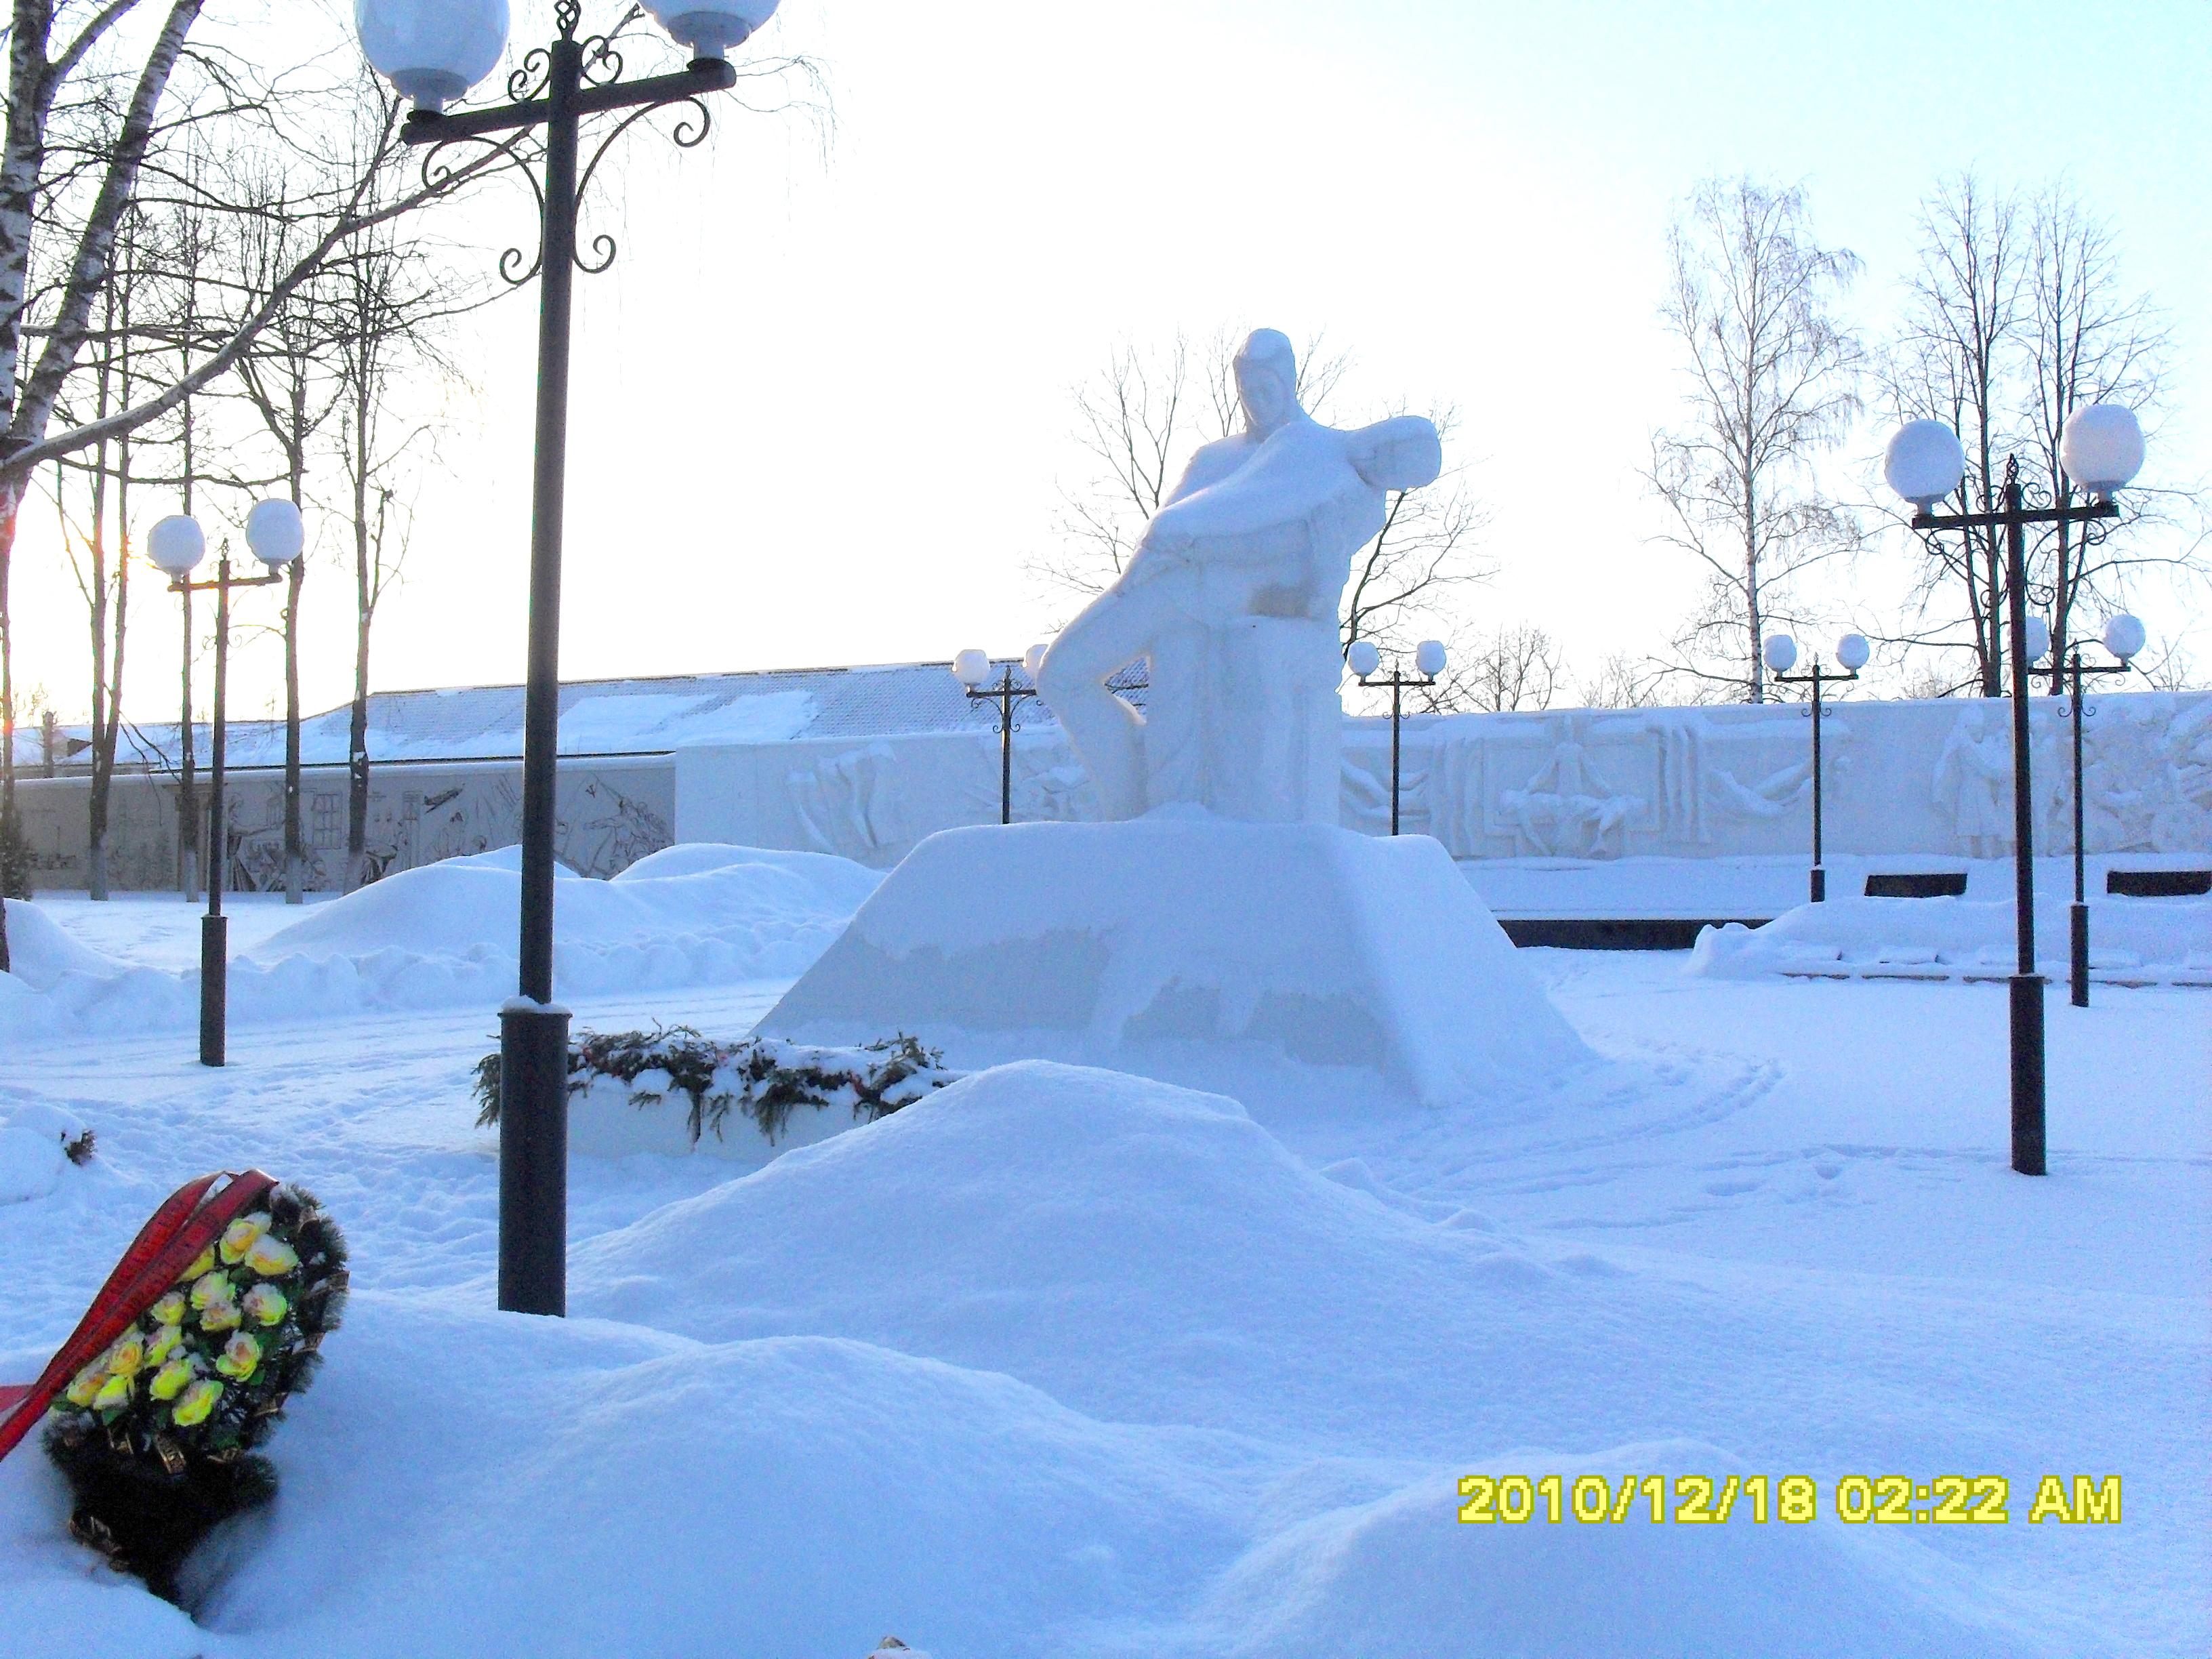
(176,545)
(432,51)
(1780,652)
(276,532)
(711,27)
(2124,636)
(1924,463)
(2101,447)
(1363,658)
(1852,651)
(972,668)
(1428,657)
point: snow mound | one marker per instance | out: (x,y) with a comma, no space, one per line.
(841,878)
(39,952)
(469,906)
(600,1490)
(508,858)
(2161,937)
(1134,1248)
(446,934)
(1390,1576)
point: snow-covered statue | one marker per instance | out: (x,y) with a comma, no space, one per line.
(1232,595)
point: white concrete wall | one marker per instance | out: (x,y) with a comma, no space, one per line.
(1921,779)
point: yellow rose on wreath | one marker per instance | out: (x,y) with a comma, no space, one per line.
(240,1355)
(211,1287)
(86,1383)
(169,1382)
(199,1400)
(204,1262)
(272,1258)
(166,1339)
(127,1353)
(170,1310)
(264,1304)
(220,1316)
(239,1238)
(114,1394)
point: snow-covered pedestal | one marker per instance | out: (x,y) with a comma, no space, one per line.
(1126,945)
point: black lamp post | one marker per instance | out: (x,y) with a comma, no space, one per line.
(1366,662)
(972,669)
(175,546)
(1781,652)
(432,50)
(2123,637)
(2101,451)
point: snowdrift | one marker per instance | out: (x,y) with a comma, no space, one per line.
(2159,940)
(445,934)
(968,1374)
(40,953)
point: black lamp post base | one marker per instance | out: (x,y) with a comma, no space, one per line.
(533,1158)
(2028,1073)
(1819,885)
(215,987)
(2080,917)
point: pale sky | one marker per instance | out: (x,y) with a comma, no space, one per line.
(823,402)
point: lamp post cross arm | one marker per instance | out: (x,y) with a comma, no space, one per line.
(2025,515)
(184,585)
(711,75)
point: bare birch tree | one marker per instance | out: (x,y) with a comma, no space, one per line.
(2086,340)
(1514,667)
(1773,383)
(1955,360)
(389,307)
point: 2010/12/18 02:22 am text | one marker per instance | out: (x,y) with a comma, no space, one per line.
(1698,1499)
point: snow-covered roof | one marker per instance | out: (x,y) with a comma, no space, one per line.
(598,717)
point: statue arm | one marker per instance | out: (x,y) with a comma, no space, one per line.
(1211,464)
(1402,453)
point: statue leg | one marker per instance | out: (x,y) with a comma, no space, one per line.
(1106,733)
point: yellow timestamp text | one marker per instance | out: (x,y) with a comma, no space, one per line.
(1702,1500)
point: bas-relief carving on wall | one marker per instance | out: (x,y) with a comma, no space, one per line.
(1933,777)
(850,804)
(872,801)
(609,819)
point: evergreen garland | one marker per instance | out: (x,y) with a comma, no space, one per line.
(765,1080)
(158,1436)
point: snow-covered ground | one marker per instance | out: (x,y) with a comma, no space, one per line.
(1062,1363)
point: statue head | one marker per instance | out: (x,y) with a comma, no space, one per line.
(1267,380)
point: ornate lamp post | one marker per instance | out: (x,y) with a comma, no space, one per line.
(175,546)
(972,668)
(1781,654)
(2123,638)
(1366,662)
(2101,450)
(433,51)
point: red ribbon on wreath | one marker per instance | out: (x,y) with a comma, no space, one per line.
(191,1220)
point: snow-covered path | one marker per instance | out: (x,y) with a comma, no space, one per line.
(1126,1377)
